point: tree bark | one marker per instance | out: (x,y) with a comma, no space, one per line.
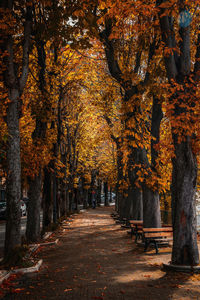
(184,174)
(151,208)
(47,200)
(151,198)
(106,193)
(13,184)
(99,192)
(185,249)
(33,217)
(14,83)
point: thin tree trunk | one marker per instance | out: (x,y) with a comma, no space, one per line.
(110,198)
(99,192)
(63,199)
(119,196)
(151,199)
(33,217)
(54,192)
(106,193)
(47,200)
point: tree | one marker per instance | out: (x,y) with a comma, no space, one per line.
(179,54)
(16,24)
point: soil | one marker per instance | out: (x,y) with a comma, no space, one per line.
(96,259)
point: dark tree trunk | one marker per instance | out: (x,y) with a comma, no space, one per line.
(92,187)
(33,221)
(110,196)
(151,199)
(67,201)
(151,208)
(55,212)
(47,200)
(84,193)
(13,184)
(119,196)
(33,217)
(63,200)
(185,249)
(85,198)
(71,200)
(76,199)
(99,192)
(184,175)
(106,193)
(134,203)
(14,82)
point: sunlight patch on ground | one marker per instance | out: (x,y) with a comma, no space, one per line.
(141,276)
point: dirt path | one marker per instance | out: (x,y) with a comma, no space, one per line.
(97,260)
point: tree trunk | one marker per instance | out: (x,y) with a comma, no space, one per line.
(106,193)
(85,198)
(151,198)
(151,208)
(54,192)
(63,199)
(14,82)
(119,196)
(134,203)
(99,192)
(184,175)
(34,206)
(185,249)
(67,201)
(13,185)
(47,200)
(110,196)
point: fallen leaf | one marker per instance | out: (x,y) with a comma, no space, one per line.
(67,290)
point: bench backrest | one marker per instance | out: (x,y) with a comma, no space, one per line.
(158,234)
(136,222)
(163,229)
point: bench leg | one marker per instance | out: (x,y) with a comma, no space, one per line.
(146,244)
(156,246)
(131,233)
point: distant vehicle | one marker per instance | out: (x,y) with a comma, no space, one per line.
(23,208)
(2,210)
(26,201)
(103,197)
(113,196)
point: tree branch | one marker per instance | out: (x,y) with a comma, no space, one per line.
(26,45)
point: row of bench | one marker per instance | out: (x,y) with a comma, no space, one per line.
(156,236)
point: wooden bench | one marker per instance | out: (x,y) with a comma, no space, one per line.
(136,228)
(157,236)
(126,223)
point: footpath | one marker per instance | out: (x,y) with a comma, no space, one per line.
(96,259)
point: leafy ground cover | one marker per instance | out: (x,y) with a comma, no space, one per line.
(96,259)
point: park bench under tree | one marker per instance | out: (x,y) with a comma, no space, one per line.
(157,237)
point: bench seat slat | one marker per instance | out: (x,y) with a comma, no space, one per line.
(164,229)
(157,234)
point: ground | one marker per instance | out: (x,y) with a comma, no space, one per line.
(96,259)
